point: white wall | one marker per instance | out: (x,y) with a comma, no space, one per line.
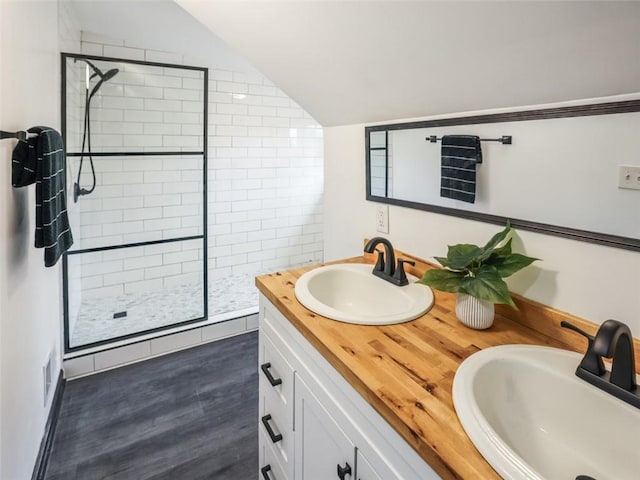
(29,293)
(591,281)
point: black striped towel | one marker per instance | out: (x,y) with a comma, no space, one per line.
(460,155)
(40,160)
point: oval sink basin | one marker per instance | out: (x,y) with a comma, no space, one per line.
(532,418)
(351,293)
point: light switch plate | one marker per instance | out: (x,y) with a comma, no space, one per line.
(629,177)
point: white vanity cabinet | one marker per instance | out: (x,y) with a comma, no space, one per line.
(313,424)
(323,450)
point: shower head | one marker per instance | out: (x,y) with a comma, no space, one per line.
(103,77)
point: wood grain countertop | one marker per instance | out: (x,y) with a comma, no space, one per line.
(405,371)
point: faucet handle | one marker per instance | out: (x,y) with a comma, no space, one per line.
(400,276)
(591,362)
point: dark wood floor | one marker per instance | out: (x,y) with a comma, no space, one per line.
(186,416)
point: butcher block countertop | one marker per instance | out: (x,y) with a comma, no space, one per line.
(405,371)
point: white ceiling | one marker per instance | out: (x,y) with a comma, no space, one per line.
(351,62)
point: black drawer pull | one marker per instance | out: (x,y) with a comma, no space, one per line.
(274,438)
(343,472)
(265,472)
(265,369)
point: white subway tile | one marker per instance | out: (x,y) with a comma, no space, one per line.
(121,355)
(162,57)
(231,260)
(143,91)
(223,75)
(142,116)
(123,277)
(143,286)
(123,103)
(75,367)
(162,200)
(182,94)
(142,262)
(246,247)
(163,81)
(142,213)
(163,248)
(252,322)
(123,52)
(111,291)
(163,105)
(89,48)
(247,120)
(182,187)
(162,271)
(182,117)
(180,211)
(180,257)
(180,141)
(177,341)
(137,189)
(161,224)
(121,228)
(231,109)
(223,329)
(232,87)
(162,129)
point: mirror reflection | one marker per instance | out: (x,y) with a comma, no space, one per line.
(563,174)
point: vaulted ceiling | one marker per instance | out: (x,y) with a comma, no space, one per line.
(352,62)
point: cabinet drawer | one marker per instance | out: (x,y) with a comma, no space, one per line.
(270,467)
(280,441)
(276,375)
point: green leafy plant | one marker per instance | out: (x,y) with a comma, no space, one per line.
(478,271)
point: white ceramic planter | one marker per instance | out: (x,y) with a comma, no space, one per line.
(474,313)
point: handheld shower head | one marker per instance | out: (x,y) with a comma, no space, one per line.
(103,77)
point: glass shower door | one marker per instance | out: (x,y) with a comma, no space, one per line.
(135,137)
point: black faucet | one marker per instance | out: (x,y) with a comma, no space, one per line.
(613,340)
(386,264)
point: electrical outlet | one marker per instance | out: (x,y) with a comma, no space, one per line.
(382,219)
(629,177)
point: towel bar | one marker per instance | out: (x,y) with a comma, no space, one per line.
(505,140)
(20,135)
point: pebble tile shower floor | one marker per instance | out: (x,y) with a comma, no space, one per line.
(159,308)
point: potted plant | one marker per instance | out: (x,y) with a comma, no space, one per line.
(475,274)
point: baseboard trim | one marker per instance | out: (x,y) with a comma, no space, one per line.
(42,461)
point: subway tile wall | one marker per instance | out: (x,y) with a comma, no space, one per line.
(265,173)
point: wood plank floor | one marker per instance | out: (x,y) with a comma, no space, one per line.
(186,416)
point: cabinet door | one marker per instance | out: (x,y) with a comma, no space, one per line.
(322,450)
(364,469)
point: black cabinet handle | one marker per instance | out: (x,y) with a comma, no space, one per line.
(265,472)
(265,421)
(265,369)
(343,472)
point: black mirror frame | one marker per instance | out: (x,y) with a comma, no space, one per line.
(616,241)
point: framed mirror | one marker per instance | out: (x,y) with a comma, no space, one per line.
(557,171)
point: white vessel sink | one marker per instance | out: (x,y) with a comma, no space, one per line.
(532,418)
(351,293)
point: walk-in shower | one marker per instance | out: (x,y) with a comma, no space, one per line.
(138,264)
